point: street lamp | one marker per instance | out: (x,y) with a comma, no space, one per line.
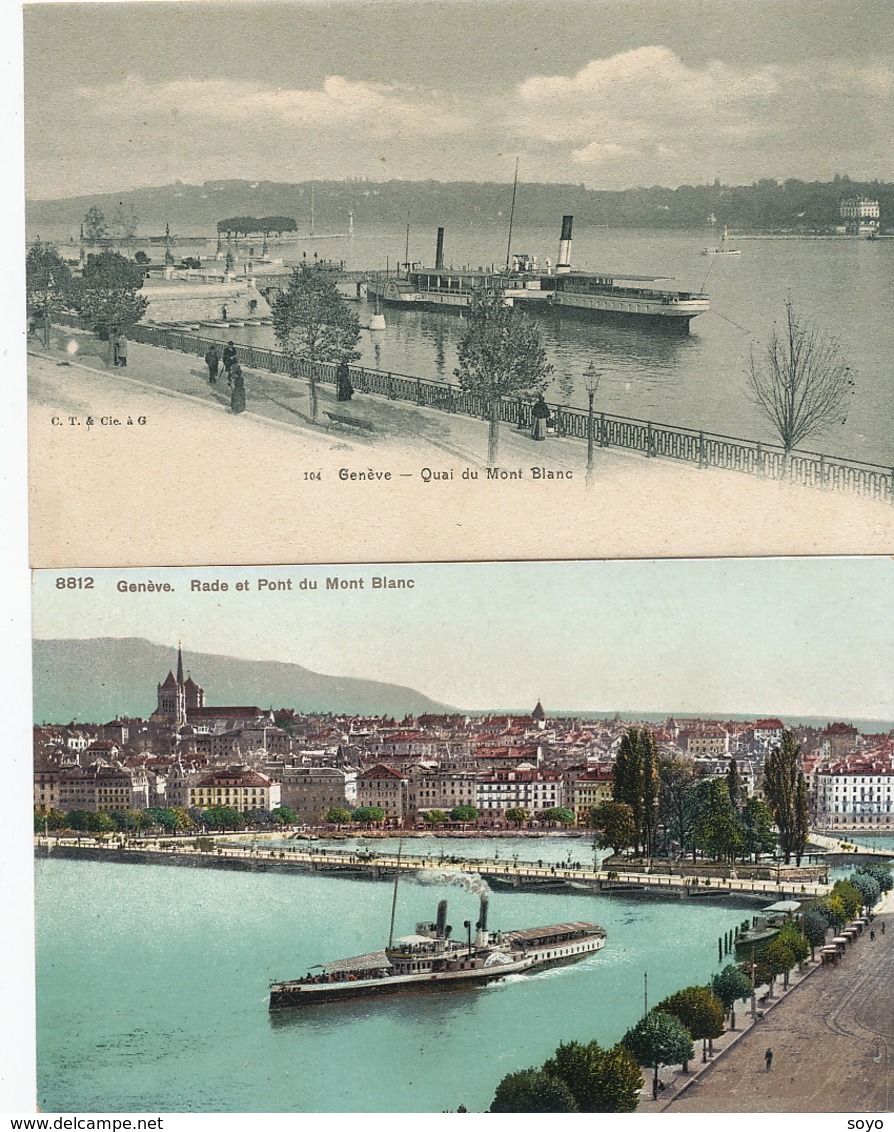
(591,381)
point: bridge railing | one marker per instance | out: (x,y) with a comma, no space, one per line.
(653,439)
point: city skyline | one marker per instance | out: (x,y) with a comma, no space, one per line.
(606,94)
(796,637)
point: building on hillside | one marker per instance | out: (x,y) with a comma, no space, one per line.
(440,790)
(590,788)
(238,787)
(311,791)
(861,216)
(99,786)
(704,742)
(857,793)
(181,707)
(385,787)
(838,741)
(532,790)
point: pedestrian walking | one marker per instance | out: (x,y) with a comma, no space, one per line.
(883,927)
(230,358)
(540,413)
(212,361)
(113,338)
(768,1058)
(121,344)
(344,390)
(237,397)
(872,934)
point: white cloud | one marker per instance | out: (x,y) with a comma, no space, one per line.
(380,109)
(642,108)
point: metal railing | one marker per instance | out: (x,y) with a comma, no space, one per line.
(653,439)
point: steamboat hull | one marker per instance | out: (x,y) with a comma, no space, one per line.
(672,320)
(287,995)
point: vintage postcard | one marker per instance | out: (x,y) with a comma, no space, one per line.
(471,837)
(351,281)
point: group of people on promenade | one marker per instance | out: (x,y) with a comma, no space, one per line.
(344,389)
(235,377)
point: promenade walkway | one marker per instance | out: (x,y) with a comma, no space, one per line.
(237,476)
(832,1038)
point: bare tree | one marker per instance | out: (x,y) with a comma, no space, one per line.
(800,380)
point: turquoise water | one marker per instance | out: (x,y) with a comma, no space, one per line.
(152,990)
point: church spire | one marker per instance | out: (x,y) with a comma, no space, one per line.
(179,664)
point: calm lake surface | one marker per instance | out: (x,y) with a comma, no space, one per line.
(845,286)
(152,987)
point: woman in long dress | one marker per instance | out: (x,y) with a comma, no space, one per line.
(540,413)
(237,395)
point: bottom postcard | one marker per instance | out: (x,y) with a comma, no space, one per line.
(496,837)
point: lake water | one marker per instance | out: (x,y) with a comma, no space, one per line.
(152,988)
(846,286)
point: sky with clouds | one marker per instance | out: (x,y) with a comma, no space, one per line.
(810,637)
(608,93)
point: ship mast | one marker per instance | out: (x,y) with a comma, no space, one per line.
(400,849)
(511,216)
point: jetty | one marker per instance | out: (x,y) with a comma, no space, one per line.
(507,875)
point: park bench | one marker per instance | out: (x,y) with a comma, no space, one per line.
(352,422)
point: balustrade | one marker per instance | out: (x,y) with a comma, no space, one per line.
(702,449)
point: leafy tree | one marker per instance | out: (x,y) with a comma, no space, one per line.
(757,828)
(700,1011)
(716,830)
(637,783)
(517,815)
(464,814)
(815,926)
(881,873)
(781,788)
(95,227)
(500,355)
(729,985)
(338,815)
(799,380)
(47,279)
(778,959)
(99,822)
(77,819)
(867,886)
(313,324)
(797,944)
(614,823)
(367,815)
(532,1090)
(659,1039)
(285,815)
(435,817)
(851,899)
(108,293)
(561,815)
(277,224)
(801,829)
(733,783)
(260,816)
(676,781)
(600,1080)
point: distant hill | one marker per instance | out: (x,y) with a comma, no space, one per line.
(196,209)
(95,680)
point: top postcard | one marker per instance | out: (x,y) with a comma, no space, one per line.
(392,281)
